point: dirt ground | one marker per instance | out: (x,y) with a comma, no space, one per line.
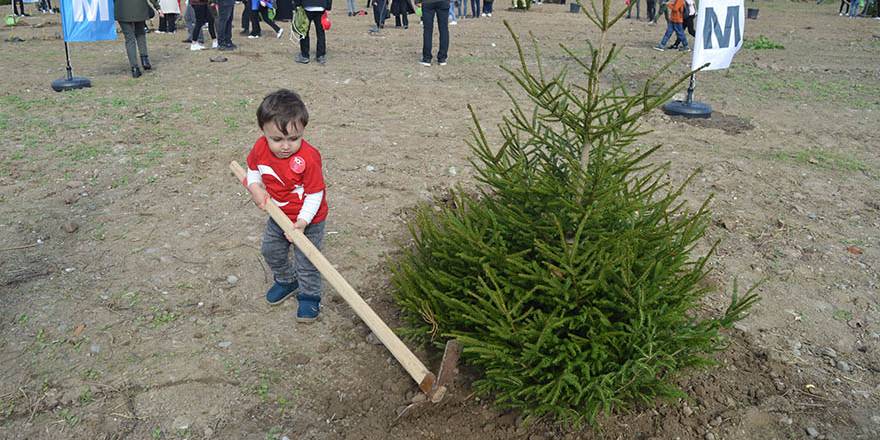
(131,283)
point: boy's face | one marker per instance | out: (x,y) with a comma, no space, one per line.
(283,145)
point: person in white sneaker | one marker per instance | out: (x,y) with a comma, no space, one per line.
(260,8)
(203,16)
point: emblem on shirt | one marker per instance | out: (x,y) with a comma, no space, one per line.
(298,165)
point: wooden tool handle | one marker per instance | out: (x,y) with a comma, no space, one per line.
(407,359)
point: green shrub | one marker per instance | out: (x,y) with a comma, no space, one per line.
(762,43)
(568,277)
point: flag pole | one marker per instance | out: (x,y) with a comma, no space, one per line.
(70,82)
(688,108)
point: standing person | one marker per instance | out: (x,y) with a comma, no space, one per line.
(260,8)
(225,11)
(168,21)
(462,8)
(636,6)
(430,10)
(380,12)
(844,7)
(664,11)
(689,19)
(401,9)
(314,11)
(877,10)
(18,8)
(189,20)
(487,7)
(475,8)
(245,18)
(202,12)
(652,9)
(352,9)
(853,8)
(452,19)
(46,7)
(674,24)
(132,16)
(295,183)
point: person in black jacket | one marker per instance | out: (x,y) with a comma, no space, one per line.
(314,10)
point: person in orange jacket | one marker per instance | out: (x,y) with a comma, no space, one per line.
(674,24)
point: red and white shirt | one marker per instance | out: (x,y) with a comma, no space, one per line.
(288,181)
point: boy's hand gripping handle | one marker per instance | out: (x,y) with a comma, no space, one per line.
(407,359)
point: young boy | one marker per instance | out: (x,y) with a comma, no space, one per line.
(675,24)
(285,170)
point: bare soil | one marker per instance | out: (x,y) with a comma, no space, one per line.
(131,282)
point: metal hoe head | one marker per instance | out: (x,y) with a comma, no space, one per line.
(445,377)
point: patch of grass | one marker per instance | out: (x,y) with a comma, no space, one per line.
(119,182)
(231,123)
(23,319)
(4,121)
(262,389)
(82,152)
(68,417)
(86,396)
(162,317)
(148,158)
(274,433)
(842,315)
(91,374)
(762,43)
(157,434)
(823,159)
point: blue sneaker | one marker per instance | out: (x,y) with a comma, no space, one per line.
(309,308)
(280,291)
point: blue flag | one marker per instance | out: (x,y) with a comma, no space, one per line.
(88,20)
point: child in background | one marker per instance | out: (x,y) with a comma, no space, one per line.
(674,24)
(689,19)
(664,11)
(260,8)
(401,10)
(295,183)
(168,21)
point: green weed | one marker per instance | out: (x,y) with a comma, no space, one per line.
(162,317)
(86,396)
(68,417)
(274,433)
(91,374)
(761,43)
(842,315)
(23,319)
(157,434)
(823,159)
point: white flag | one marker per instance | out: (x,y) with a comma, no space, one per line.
(720,25)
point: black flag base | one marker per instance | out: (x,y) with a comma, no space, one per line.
(70,83)
(687,109)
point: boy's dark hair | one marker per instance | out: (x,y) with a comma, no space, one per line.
(282,107)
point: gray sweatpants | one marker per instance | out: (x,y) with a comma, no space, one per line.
(276,251)
(135,40)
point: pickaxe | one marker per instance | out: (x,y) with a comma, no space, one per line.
(434,387)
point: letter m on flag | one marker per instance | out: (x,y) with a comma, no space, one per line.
(91,10)
(713,28)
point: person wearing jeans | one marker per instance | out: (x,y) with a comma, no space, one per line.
(636,6)
(225,10)
(675,23)
(462,8)
(652,9)
(452,13)
(475,8)
(430,10)
(487,7)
